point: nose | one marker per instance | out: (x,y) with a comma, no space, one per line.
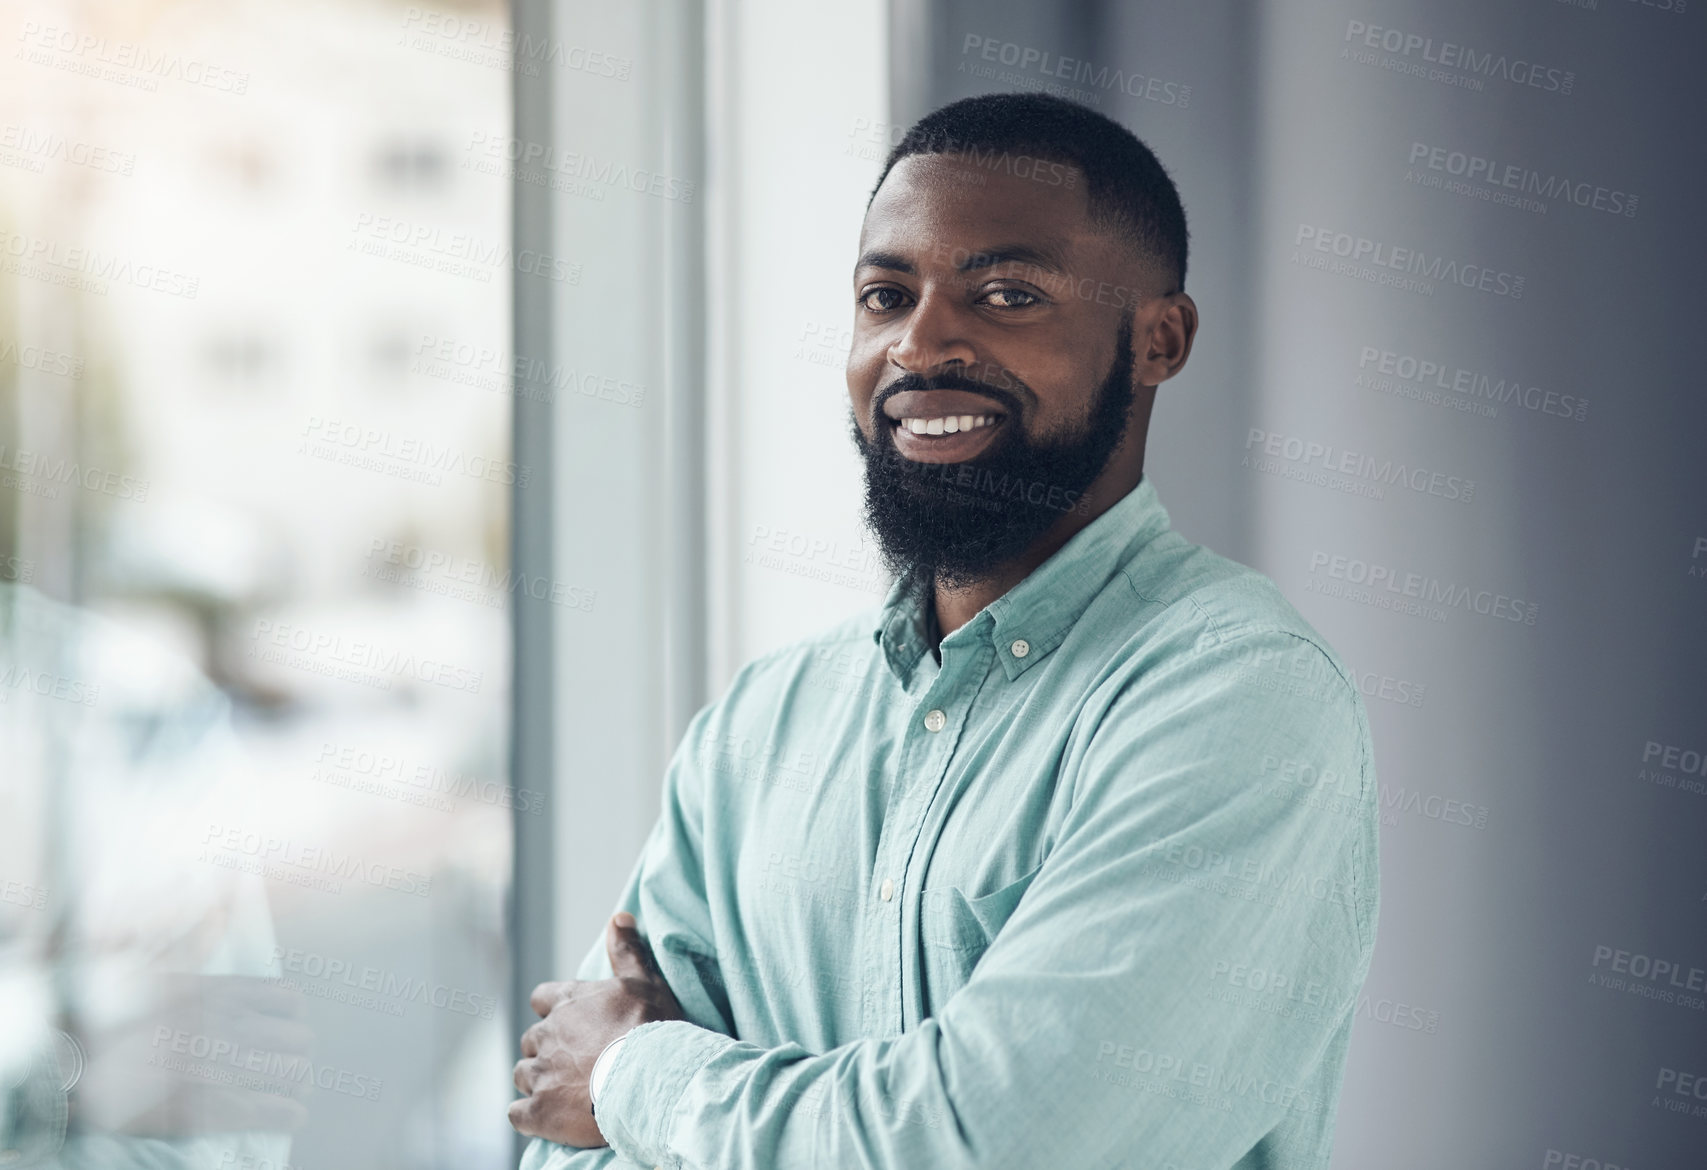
(933,337)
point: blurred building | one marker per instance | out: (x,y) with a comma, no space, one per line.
(254,424)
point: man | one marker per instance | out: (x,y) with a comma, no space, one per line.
(1066,856)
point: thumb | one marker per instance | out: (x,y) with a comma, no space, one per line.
(630,957)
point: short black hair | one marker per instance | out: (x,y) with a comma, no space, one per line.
(1127,188)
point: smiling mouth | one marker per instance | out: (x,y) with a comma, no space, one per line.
(950,424)
(945,438)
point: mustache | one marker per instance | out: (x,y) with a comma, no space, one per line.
(999,391)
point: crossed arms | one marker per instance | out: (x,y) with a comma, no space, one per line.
(1106,1022)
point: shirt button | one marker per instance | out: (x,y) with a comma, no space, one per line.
(1020,648)
(936,721)
(887,891)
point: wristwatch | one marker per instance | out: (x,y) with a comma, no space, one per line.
(601,1069)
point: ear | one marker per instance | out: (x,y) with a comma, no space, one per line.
(1162,332)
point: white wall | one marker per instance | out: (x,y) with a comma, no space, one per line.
(798,132)
(782,194)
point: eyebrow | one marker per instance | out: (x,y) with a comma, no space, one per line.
(1047,259)
(893,261)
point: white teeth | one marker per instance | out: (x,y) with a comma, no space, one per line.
(948,425)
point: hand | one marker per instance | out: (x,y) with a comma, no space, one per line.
(580,1018)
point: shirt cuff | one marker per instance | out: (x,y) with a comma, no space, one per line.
(601,1068)
(644,1081)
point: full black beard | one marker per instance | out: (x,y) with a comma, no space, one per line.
(956,523)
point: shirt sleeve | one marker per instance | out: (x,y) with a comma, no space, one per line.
(1111,1022)
(665,892)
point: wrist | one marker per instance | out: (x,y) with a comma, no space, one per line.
(601,1069)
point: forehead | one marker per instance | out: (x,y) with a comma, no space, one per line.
(932,200)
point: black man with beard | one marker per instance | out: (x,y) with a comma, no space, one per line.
(1065,855)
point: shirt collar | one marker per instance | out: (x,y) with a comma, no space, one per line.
(1030,620)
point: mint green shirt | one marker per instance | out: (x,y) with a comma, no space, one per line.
(1097,890)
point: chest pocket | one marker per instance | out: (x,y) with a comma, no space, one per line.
(956,931)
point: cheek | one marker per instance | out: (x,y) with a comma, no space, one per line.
(1057,379)
(867,348)
(864,368)
(1063,389)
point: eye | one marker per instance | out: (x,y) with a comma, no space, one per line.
(1012,298)
(882,299)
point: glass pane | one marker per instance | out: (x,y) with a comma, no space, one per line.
(254,651)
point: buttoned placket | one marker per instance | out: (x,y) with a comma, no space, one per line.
(926,749)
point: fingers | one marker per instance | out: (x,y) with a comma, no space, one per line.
(545,997)
(630,957)
(530,1040)
(522,1078)
(521,1117)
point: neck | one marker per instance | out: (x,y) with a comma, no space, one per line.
(955,606)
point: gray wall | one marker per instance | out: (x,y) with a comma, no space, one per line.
(1514,1017)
